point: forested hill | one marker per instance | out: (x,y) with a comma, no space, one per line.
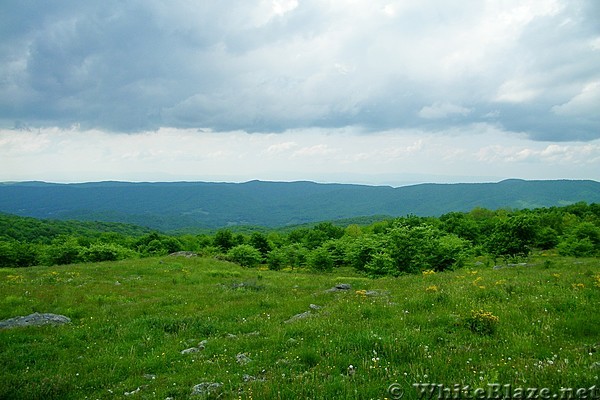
(175,205)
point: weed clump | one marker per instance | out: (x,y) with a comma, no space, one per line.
(482,322)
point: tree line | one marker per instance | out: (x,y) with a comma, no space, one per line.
(390,246)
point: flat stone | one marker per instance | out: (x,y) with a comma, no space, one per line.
(242,358)
(190,350)
(296,317)
(187,254)
(205,388)
(35,319)
(340,287)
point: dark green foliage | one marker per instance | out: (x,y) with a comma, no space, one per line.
(16,254)
(245,255)
(295,254)
(583,240)
(155,244)
(32,230)
(224,239)
(260,242)
(389,247)
(320,259)
(462,225)
(62,251)
(277,259)
(105,252)
(547,238)
(513,236)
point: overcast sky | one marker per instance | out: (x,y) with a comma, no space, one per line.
(364,91)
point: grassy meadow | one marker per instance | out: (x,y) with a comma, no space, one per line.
(531,326)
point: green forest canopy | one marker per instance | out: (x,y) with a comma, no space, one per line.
(389,246)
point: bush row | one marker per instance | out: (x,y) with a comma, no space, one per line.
(388,247)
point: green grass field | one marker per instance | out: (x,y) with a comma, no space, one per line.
(534,326)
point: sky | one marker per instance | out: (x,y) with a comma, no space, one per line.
(354,91)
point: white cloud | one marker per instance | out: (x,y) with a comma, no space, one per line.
(348,155)
(281,147)
(516,91)
(277,65)
(326,86)
(442,110)
(315,151)
(587,102)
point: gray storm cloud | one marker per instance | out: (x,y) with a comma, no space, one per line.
(269,66)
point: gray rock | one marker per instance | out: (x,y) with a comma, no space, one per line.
(242,358)
(190,350)
(205,388)
(512,265)
(340,287)
(35,319)
(376,293)
(250,378)
(314,307)
(186,254)
(135,391)
(296,317)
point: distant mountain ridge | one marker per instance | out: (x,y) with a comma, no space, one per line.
(176,205)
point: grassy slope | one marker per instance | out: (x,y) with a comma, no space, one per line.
(130,334)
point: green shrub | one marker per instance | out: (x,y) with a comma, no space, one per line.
(320,259)
(277,259)
(482,322)
(105,252)
(17,254)
(245,255)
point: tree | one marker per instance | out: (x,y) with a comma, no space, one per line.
(462,225)
(320,259)
(295,254)
(245,255)
(582,241)
(513,236)
(277,259)
(62,252)
(224,239)
(17,254)
(105,252)
(260,242)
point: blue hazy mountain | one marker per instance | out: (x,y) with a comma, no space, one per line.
(175,205)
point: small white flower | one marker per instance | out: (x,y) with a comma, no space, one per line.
(351,370)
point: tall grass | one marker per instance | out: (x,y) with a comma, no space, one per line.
(527,326)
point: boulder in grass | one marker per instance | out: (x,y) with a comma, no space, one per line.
(340,287)
(206,388)
(186,254)
(35,319)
